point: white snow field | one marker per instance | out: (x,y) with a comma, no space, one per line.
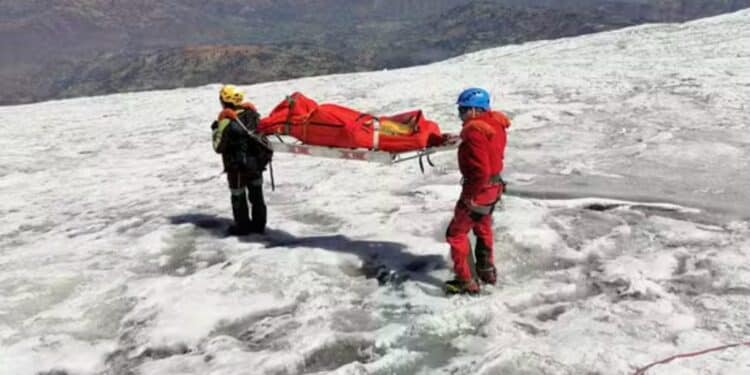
(626,238)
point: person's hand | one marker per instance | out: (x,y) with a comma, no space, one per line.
(476,211)
(450,139)
(470,204)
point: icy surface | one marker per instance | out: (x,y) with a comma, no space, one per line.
(625,239)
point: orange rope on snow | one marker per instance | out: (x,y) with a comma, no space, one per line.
(642,370)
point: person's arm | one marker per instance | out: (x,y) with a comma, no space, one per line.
(219,134)
(474,163)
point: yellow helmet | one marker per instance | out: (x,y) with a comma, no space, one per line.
(231,94)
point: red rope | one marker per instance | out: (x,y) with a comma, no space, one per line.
(642,370)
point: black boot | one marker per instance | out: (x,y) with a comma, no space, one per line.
(485,269)
(488,275)
(457,286)
(258,223)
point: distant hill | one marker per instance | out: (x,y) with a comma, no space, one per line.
(61,48)
(483,24)
(177,67)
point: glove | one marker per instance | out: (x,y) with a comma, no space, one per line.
(476,211)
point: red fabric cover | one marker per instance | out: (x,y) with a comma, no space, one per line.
(337,126)
(480,156)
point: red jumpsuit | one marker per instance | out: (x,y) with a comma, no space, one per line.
(480,159)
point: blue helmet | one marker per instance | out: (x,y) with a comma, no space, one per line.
(474,98)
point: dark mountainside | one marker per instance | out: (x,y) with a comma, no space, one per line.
(65,48)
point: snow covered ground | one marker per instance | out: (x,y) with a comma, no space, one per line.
(626,238)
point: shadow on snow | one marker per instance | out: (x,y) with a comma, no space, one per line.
(388,262)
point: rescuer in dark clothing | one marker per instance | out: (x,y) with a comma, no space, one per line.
(245,156)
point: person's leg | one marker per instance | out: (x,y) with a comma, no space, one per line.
(457,236)
(259,212)
(237,186)
(484,250)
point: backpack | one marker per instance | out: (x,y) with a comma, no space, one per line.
(260,146)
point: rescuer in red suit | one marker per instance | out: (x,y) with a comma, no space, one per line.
(480,159)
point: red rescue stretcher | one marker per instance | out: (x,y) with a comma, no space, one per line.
(302,126)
